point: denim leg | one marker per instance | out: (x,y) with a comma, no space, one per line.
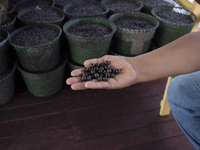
(183,95)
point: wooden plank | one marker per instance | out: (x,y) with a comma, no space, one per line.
(175,143)
(118,124)
(141,90)
(131,106)
(32,111)
(124,139)
(32,125)
(37,140)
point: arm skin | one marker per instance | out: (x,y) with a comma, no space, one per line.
(178,57)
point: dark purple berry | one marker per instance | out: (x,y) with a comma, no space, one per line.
(107,67)
(109,70)
(100,71)
(101,75)
(112,75)
(102,68)
(107,74)
(96,68)
(92,71)
(117,71)
(113,70)
(85,69)
(87,74)
(89,78)
(92,76)
(105,78)
(97,65)
(100,78)
(96,75)
(92,65)
(107,62)
(84,78)
(104,71)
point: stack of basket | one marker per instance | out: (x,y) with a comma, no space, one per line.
(7,78)
(41,66)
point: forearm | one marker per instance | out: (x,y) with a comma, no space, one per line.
(179,57)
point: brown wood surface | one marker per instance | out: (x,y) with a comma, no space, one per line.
(126,119)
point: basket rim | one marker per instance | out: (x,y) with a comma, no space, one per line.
(88,18)
(30,26)
(11,71)
(20,68)
(11,11)
(169,22)
(132,14)
(11,23)
(139,7)
(27,10)
(7,37)
(1,8)
(155,5)
(21,2)
(82,2)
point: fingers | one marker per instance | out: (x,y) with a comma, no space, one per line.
(78,86)
(97,85)
(73,80)
(99,60)
(77,72)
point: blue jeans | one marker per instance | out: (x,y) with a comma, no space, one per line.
(183,95)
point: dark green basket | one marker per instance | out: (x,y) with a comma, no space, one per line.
(15,1)
(61,3)
(147,7)
(137,2)
(32,9)
(132,42)
(28,3)
(72,66)
(7,86)
(44,84)
(170,31)
(10,27)
(4,51)
(81,48)
(1,13)
(74,4)
(42,57)
(4,14)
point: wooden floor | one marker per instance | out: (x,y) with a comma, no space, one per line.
(126,119)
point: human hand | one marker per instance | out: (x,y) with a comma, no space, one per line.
(126,77)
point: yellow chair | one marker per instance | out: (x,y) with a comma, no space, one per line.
(195,8)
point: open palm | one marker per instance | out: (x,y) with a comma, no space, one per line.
(126,77)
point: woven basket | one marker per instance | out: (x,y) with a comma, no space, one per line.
(15,1)
(131,42)
(170,31)
(32,9)
(10,27)
(75,4)
(72,66)
(7,86)
(4,14)
(11,8)
(1,13)
(82,48)
(42,57)
(44,84)
(4,52)
(147,8)
(137,2)
(61,3)
(18,6)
